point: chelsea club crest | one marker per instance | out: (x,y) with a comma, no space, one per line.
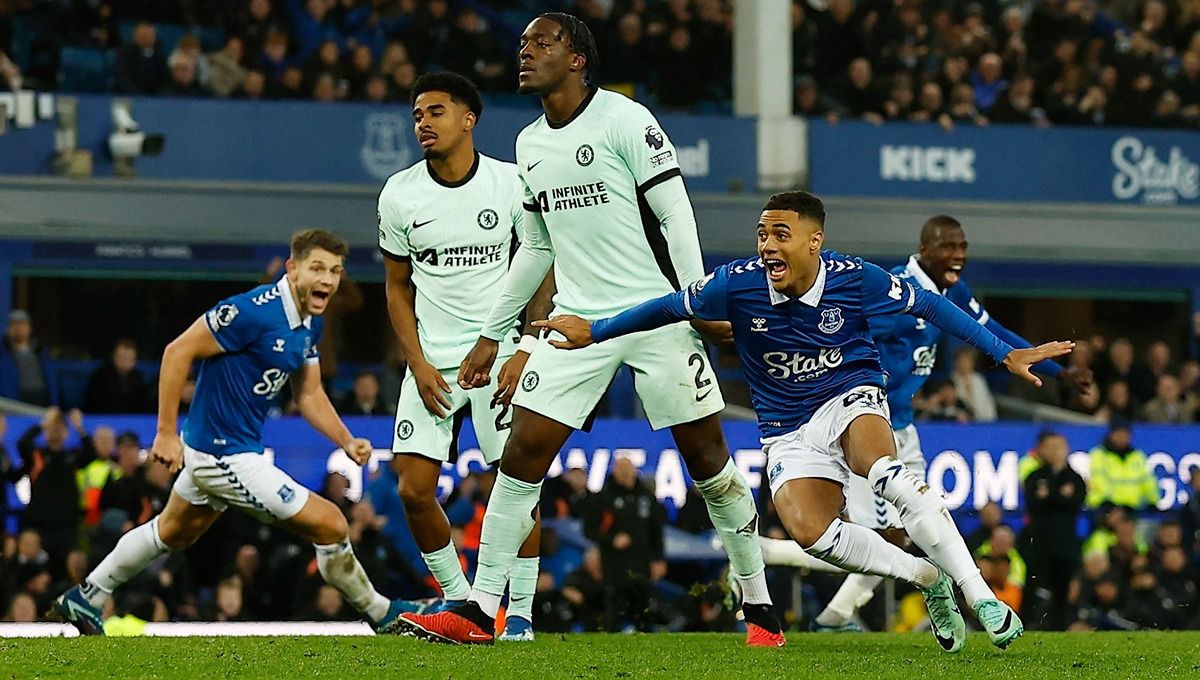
(831,320)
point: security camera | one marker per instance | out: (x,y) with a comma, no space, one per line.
(127,141)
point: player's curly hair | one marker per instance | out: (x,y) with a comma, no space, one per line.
(799,202)
(460,89)
(579,38)
(303,243)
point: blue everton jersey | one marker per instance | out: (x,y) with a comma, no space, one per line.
(908,344)
(798,353)
(264,340)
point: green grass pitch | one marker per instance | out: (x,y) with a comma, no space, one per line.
(679,657)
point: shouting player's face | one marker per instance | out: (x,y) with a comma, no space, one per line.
(945,255)
(315,279)
(789,246)
(440,123)
(545,58)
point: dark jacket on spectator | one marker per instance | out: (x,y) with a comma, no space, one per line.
(111,392)
(54,494)
(10,376)
(139,72)
(635,512)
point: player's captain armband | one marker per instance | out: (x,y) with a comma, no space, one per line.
(221,316)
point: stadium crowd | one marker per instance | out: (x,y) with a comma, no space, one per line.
(1050,62)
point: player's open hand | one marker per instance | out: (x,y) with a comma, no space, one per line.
(510,376)
(1019,361)
(359,450)
(432,388)
(168,450)
(476,368)
(577,331)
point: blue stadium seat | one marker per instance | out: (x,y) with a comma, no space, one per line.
(72,380)
(83,69)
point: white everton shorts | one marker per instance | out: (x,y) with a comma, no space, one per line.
(864,506)
(815,450)
(247,481)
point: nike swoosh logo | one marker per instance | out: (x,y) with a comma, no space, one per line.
(418,225)
(1007,622)
(531,166)
(478,636)
(945,642)
(702,396)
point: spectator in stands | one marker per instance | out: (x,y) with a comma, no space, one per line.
(93,477)
(988,81)
(680,84)
(357,71)
(930,106)
(990,516)
(477,54)
(117,386)
(141,491)
(1186,84)
(1054,496)
(1119,474)
(1173,577)
(403,77)
(942,403)
(257,22)
(585,592)
(253,86)
(376,89)
(184,81)
(54,509)
(225,66)
(971,386)
(289,86)
(962,108)
(1167,406)
(1148,604)
(189,46)
(325,88)
(1189,385)
(26,371)
(858,94)
(899,103)
(1117,406)
(566,495)
(1003,543)
(1119,365)
(626,62)
(312,25)
(22,609)
(141,67)
(228,601)
(1144,379)
(364,399)
(327,59)
(627,523)
(273,60)
(810,103)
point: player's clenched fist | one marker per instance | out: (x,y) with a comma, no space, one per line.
(359,450)
(168,450)
(577,331)
(476,369)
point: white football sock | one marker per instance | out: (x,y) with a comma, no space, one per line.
(342,570)
(856,591)
(446,568)
(859,549)
(778,552)
(929,525)
(137,548)
(522,584)
(731,508)
(506,525)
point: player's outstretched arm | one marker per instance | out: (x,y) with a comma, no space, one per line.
(946,315)
(195,343)
(319,412)
(649,315)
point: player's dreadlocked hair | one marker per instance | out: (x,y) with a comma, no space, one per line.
(460,89)
(303,243)
(579,39)
(799,202)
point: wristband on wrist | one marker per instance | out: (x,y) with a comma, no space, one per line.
(528,342)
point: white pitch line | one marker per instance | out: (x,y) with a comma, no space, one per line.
(204,629)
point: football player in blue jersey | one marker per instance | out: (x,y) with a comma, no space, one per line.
(801,328)
(248,346)
(907,352)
